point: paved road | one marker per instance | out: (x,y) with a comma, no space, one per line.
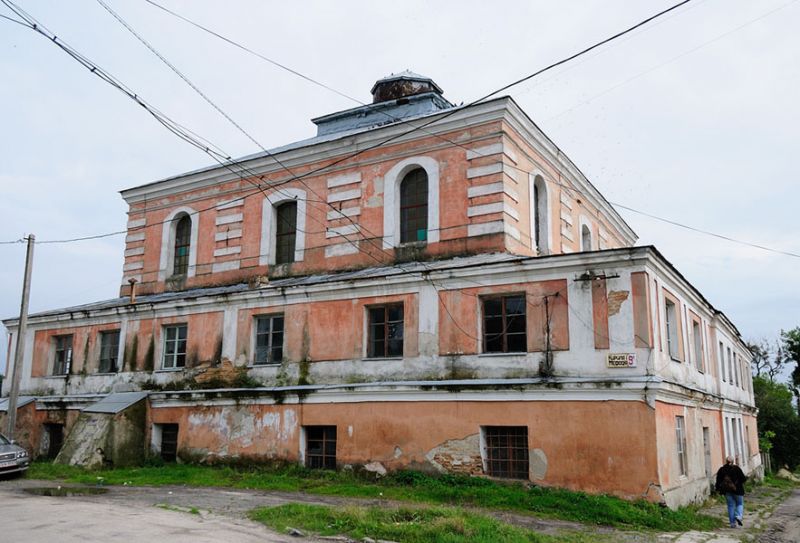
(32,519)
(784,524)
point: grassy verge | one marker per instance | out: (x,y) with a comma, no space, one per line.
(405,486)
(419,525)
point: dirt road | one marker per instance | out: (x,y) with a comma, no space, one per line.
(784,524)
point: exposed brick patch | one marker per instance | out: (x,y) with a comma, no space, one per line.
(615,300)
(458,456)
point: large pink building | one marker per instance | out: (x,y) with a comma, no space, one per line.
(455,297)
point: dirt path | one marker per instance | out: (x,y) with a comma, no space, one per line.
(784,524)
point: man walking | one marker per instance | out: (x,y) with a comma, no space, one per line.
(730,481)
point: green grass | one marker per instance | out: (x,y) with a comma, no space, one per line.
(405,486)
(406,525)
(785,484)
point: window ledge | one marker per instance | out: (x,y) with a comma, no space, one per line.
(270,365)
(678,360)
(379,358)
(98,374)
(56,376)
(167,370)
(497,355)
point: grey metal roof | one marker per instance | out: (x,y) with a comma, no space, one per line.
(21,401)
(116,402)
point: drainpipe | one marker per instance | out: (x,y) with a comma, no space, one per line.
(132,283)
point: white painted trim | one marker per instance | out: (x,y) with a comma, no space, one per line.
(344,179)
(229,204)
(228,219)
(136,223)
(269,223)
(227,234)
(495,207)
(391,198)
(133,238)
(584,221)
(225,251)
(229,329)
(131,266)
(341,249)
(492,188)
(544,226)
(166,263)
(228,265)
(344,230)
(344,195)
(344,213)
(136,251)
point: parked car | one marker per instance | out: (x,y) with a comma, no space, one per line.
(13,458)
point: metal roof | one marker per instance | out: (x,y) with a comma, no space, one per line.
(21,401)
(116,402)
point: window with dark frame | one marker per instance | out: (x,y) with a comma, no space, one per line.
(320,447)
(507,451)
(109,351)
(504,324)
(285,232)
(385,331)
(169,442)
(680,434)
(269,339)
(183,241)
(174,346)
(62,357)
(414,207)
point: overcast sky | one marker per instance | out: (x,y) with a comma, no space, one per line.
(693,118)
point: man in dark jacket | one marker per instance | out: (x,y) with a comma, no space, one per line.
(730,481)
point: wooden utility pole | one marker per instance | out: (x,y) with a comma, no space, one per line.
(16,376)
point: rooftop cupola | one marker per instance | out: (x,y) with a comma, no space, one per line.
(402,85)
(394,98)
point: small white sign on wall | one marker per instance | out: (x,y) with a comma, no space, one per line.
(621,360)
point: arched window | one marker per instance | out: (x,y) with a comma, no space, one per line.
(414,207)
(183,243)
(285,232)
(586,238)
(539,215)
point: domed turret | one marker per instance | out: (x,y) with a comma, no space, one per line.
(402,85)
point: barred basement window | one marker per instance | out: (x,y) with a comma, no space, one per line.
(385,331)
(62,359)
(506,451)
(174,346)
(680,434)
(169,442)
(269,340)
(183,241)
(285,232)
(320,447)
(504,328)
(109,350)
(414,207)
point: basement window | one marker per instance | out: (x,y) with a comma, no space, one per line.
(62,356)
(109,351)
(506,451)
(320,450)
(269,340)
(385,331)
(165,441)
(504,328)
(174,346)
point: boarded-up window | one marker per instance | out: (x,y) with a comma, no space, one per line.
(385,331)
(507,451)
(320,447)
(62,357)
(285,232)
(183,240)
(504,325)
(175,346)
(109,351)
(680,434)
(414,207)
(269,339)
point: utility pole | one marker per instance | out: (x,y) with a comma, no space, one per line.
(16,377)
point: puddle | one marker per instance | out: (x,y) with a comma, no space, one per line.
(66,491)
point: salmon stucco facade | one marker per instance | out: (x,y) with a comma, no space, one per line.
(453,297)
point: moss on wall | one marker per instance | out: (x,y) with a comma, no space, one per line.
(149,357)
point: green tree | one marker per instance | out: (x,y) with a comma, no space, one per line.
(777,415)
(791,346)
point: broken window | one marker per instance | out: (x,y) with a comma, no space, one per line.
(504,328)
(269,339)
(385,331)
(183,241)
(506,451)
(62,357)
(671,321)
(285,232)
(109,350)
(165,441)
(414,207)
(174,346)
(320,447)
(680,434)
(697,337)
